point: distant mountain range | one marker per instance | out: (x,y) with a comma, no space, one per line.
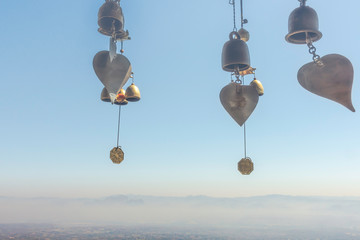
(271,210)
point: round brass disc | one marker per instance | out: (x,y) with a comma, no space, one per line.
(246,166)
(116,155)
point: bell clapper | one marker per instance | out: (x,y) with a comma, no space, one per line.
(122,47)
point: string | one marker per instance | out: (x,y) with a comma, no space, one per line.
(118,133)
(242,15)
(245,139)
(243,82)
(232,2)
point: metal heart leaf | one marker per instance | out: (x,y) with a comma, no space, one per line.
(239,101)
(113,74)
(333,80)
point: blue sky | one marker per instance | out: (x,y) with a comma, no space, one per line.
(178,140)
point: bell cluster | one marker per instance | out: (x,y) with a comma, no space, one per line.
(111,23)
(330,76)
(114,69)
(238,99)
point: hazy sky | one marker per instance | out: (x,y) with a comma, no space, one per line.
(178,140)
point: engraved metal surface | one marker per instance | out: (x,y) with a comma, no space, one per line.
(116,155)
(332,81)
(239,101)
(246,166)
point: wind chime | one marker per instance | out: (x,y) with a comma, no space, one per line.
(113,69)
(238,99)
(330,76)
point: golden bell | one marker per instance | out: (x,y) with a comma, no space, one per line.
(303,24)
(105,96)
(120,95)
(122,103)
(258,86)
(132,93)
(110,18)
(235,54)
(245,166)
(244,34)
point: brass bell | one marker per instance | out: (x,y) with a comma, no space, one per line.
(303,25)
(244,34)
(121,95)
(110,18)
(258,86)
(245,166)
(132,93)
(105,96)
(235,54)
(122,103)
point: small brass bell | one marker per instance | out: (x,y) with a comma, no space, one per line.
(303,23)
(110,18)
(105,96)
(235,54)
(132,93)
(246,166)
(120,96)
(244,34)
(116,155)
(122,103)
(258,86)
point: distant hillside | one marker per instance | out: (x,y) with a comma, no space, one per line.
(272,210)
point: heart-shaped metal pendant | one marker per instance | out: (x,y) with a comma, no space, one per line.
(239,101)
(113,74)
(333,80)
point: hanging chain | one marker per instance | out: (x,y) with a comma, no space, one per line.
(118,133)
(232,2)
(312,50)
(237,75)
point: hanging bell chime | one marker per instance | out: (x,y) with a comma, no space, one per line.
(246,166)
(258,86)
(120,98)
(111,20)
(235,54)
(132,93)
(121,95)
(105,96)
(303,24)
(244,34)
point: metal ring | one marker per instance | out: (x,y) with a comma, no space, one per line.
(234,33)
